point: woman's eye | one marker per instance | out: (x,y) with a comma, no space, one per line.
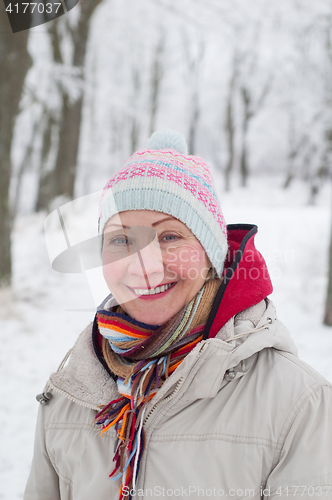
(169,237)
(119,241)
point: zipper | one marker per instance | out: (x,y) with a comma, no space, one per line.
(164,400)
(177,386)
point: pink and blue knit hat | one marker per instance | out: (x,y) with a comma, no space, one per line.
(166,179)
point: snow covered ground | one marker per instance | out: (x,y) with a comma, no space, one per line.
(41,318)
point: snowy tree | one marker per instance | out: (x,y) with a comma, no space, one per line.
(69,36)
(14,64)
(157,73)
(245,81)
(194,50)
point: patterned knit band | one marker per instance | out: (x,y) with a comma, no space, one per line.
(173,183)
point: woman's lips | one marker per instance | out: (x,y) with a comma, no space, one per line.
(156,295)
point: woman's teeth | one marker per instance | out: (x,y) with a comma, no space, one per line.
(153,291)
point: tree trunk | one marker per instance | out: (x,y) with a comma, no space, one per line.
(135,126)
(229,124)
(66,162)
(250,109)
(134,135)
(45,183)
(247,115)
(292,153)
(230,141)
(61,181)
(65,167)
(193,125)
(244,169)
(328,303)
(14,64)
(194,64)
(157,75)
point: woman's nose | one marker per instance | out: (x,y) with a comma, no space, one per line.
(148,264)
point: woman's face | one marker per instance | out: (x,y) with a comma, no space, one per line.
(152,264)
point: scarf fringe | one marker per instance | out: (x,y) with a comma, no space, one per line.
(139,379)
(128,422)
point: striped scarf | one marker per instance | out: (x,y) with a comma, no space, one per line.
(143,357)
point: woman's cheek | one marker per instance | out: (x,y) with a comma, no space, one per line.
(187,262)
(112,274)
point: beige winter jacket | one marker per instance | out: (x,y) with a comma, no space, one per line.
(241,418)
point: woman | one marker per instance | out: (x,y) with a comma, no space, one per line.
(191,382)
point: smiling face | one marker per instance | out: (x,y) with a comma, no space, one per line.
(152,264)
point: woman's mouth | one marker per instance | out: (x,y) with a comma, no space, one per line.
(153,292)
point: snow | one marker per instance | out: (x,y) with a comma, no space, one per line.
(43,315)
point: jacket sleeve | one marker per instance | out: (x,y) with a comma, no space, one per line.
(303,468)
(43,482)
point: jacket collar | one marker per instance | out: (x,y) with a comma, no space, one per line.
(213,363)
(206,369)
(246,280)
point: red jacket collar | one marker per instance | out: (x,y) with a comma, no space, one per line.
(246,280)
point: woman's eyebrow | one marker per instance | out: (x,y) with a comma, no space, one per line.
(129,227)
(162,220)
(117,225)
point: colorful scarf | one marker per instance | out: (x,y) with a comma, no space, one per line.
(143,357)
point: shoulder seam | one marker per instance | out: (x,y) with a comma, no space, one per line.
(308,369)
(294,412)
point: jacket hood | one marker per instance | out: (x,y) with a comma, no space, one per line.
(246,280)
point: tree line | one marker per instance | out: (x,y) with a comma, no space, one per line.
(248,84)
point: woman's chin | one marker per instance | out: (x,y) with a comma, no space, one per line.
(152,319)
(152,315)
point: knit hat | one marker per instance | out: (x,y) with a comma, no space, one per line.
(164,178)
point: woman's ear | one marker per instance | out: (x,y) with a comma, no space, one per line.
(211,274)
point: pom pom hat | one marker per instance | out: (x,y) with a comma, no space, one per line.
(164,178)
